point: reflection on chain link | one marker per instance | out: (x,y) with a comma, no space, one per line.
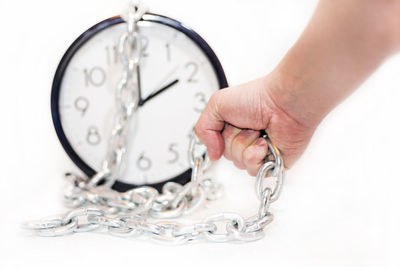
(138,211)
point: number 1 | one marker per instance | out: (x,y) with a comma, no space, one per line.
(167,46)
(112,52)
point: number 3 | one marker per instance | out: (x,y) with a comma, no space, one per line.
(201,98)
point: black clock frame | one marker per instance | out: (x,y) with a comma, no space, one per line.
(76,45)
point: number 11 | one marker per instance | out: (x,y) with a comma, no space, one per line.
(112,52)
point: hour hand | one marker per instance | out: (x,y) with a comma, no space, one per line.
(157,92)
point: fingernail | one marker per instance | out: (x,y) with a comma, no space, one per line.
(261,142)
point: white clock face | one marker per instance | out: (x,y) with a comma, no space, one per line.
(159,133)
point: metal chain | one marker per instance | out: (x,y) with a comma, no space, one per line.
(137,212)
(127,98)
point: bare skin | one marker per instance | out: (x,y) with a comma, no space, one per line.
(344,42)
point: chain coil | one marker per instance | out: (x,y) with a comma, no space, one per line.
(136,212)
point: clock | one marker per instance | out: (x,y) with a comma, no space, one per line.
(178,73)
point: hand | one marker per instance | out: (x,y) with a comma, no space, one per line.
(230,125)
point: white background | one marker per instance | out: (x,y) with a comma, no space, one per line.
(340,203)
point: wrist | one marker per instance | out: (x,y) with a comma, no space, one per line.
(288,94)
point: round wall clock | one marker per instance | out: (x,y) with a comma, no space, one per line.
(178,73)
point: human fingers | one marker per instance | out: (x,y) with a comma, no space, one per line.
(253,156)
(209,127)
(239,144)
(228,134)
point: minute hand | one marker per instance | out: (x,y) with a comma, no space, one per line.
(142,101)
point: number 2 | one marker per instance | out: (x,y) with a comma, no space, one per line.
(194,68)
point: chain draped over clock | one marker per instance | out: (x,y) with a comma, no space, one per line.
(127,98)
(137,212)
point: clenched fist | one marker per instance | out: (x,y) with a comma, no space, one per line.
(230,125)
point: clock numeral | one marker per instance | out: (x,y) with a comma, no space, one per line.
(174,152)
(112,54)
(93,136)
(143,162)
(95,76)
(191,66)
(145,44)
(81,104)
(168,48)
(201,102)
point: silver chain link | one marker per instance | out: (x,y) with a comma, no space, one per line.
(96,207)
(127,98)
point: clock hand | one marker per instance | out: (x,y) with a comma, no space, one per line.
(168,76)
(159,91)
(139,83)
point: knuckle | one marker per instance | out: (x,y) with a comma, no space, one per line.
(214,99)
(236,143)
(227,155)
(230,132)
(252,172)
(249,157)
(239,165)
(237,156)
(226,133)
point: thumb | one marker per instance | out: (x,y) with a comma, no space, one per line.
(209,128)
